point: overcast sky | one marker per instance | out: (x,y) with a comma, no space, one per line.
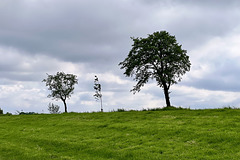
(91,37)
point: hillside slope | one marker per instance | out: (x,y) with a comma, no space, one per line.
(173,134)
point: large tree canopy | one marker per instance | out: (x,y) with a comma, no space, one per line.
(158,57)
(61,86)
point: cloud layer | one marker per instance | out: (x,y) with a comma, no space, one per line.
(91,37)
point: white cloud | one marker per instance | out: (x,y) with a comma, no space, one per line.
(89,38)
(201,98)
(215,65)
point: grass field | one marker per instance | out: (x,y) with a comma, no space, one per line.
(172,134)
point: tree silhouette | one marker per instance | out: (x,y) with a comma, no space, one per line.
(61,86)
(158,57)
(98,94)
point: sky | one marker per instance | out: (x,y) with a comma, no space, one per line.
(91,37)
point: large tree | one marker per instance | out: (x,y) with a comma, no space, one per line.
(61,86)
(158,57)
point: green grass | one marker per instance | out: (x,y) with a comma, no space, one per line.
(165,134)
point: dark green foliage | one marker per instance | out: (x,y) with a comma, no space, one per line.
(121,110)
(61,86)
(155,109)
(230,107)
(1,111)
(172,108)
(158,57)
(8,114)
(27,113)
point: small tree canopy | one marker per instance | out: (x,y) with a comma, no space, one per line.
(53,108)
(158,57)
(98,94)
(61,86)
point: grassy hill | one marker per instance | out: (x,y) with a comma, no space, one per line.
(171,134)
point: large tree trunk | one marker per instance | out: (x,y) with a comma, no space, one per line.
(166,93)
(65,105)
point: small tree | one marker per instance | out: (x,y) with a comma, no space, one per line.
(61,86)
(98,94)
(53,109)
(1,111)
(158,57)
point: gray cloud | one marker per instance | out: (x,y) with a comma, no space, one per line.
(224,77)
(86,31)
(75,31)
(92,37)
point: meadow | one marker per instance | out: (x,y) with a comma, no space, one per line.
(133,135)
